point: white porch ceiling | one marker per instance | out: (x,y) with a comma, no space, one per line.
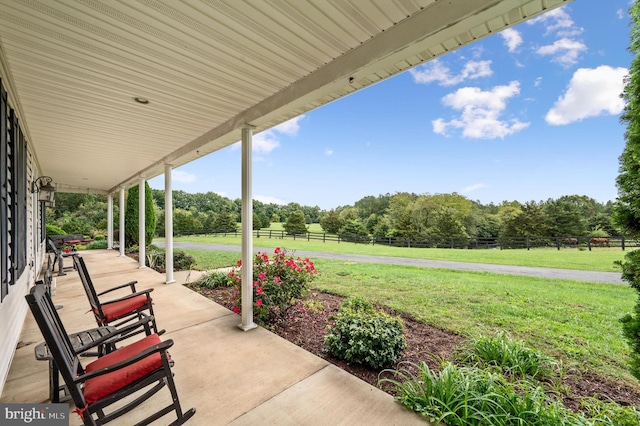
(207,67)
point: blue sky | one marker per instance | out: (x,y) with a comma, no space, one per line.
(531,113)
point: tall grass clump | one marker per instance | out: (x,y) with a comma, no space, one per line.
(509,355)
(213,279)
(468,396)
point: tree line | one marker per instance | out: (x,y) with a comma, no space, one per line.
(389,215)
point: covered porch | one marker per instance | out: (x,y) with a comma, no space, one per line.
(229,376)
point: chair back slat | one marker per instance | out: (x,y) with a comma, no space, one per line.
(94,301)
(57,340)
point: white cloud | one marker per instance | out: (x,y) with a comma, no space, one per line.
(558,22)
(328,152)
(436,71)
(590,93)
(182,176)
(473,187)
(564,51)
(512,38)
(266,141)
(267,199)
(537,82)
(481,110)
(290,127)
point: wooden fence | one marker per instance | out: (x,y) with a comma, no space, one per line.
(495,243)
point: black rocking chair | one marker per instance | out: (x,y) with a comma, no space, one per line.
(116,312)
(142,368)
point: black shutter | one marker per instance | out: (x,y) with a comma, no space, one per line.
(4,235)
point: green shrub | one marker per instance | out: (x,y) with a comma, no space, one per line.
(100,237)
(631,322)
(182,261)
(97,245)
(364,335)
(55,230)
(278,282)
(131,216)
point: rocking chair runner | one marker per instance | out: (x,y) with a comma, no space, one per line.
(125,309)
(109,379)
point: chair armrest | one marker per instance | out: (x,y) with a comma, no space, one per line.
(130,296)
(118,334)
(131,284)
(160,347)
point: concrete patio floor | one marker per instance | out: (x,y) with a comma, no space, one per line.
(230,376)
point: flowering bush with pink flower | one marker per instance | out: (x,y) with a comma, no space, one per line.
(279,282)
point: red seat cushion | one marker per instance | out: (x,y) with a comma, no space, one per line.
(117,309)
(101,386)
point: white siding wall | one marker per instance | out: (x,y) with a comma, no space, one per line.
(13,308)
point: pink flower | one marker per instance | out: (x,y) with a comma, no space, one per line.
(277,250)
(236,310)
(239,262)
(261,276)
(258,290)
(259,302)
(277,279)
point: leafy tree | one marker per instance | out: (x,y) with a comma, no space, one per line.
(383,228)
(400,214)
(353,228)
(626,213)
(331,222)
(257,222)
(264,220)
(295,224)
(131,235)
(446,223)
(567,216)
(224,222)
(529,222)
(184,220)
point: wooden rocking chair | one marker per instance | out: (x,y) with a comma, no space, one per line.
(117,312)
(141,368)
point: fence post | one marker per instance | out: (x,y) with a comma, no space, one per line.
(589,243)
(622,243)
(451,242)
(308,236)
(269,233)
(558,242)
(500,243)
(527,240)
(324,237)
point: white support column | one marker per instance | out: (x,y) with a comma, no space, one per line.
(247,231)
(121,231)
(168,223)
(142,256)
(110,221)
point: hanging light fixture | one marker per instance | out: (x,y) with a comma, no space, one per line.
(44,188)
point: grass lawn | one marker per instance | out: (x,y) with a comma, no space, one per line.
(574,321)
(599,259)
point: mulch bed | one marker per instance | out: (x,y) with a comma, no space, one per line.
(307,328)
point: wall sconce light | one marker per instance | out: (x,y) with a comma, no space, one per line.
(45,190)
